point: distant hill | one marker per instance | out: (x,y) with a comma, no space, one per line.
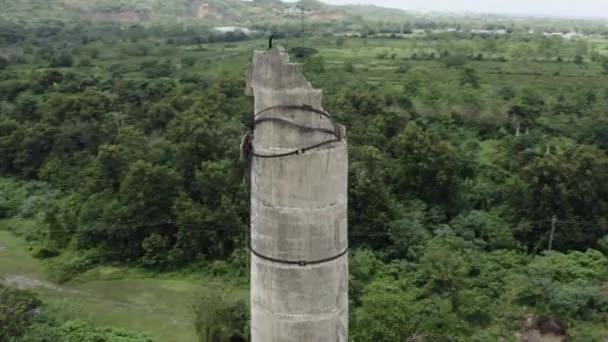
(220,12)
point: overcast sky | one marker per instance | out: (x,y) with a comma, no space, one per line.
(585,8)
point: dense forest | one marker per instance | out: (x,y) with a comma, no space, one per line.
(478,178)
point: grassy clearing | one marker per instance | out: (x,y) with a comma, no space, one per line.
(15,257)
(378,60)
(112,296)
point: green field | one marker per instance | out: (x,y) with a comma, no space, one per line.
(118,297)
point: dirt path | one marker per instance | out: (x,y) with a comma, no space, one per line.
(27,283)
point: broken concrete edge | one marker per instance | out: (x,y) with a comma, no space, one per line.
(305,83)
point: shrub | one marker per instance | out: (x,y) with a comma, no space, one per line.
(403,68)
(3,63)
(454,61)
(44,252)
(565,285)
(219,317)
(382,55)
(349,67)
(84,62)
(79,331)
(63,60)
(156,251)
(315,64)
(16,308)
(77,264)
(189,61)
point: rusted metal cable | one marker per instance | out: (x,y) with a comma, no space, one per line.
(296,107)
(296,152)
(334,131)
(296,125)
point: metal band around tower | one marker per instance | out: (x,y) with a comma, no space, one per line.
(298,262)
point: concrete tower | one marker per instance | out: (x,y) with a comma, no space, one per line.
(299,243)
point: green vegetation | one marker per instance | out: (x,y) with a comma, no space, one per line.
(123,201)
(14,313)
(218,317)
(161,305)
(22,323)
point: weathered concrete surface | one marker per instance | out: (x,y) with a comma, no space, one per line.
(298,212)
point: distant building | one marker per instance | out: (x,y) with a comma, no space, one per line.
(569,35)
(296,11)
(227,29)
(488,32)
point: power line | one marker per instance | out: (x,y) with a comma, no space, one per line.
(302,12)
(201,226)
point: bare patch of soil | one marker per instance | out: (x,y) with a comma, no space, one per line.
(327,15)
(27,283)
(538,329)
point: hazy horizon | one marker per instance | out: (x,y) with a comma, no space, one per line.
(557,8)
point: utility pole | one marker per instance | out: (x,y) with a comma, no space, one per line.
(299,242)
(302,13)
(553,223)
